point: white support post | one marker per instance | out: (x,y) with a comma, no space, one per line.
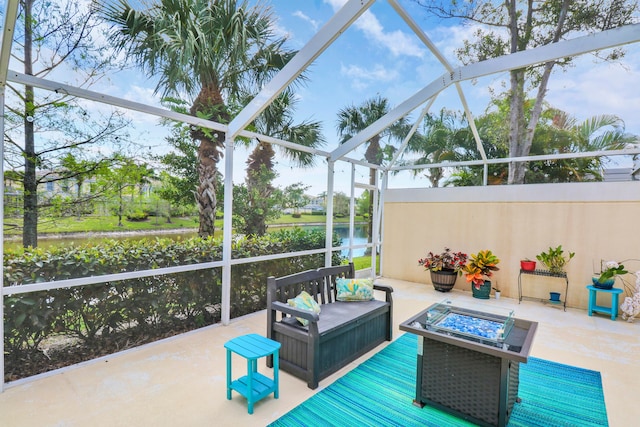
(375,235)
(385,186)
(11,13)
(352,210)
(329,222)
(227,234)
(2,246)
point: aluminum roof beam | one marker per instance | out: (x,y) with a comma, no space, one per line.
(10,16)
(436,52)
(53,86)
(578,46)
(340,21)
(606,153)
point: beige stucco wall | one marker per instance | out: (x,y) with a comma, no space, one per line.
(594,220)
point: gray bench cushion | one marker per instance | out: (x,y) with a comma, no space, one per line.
(337,314)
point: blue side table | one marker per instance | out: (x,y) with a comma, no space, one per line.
(613,310)
(254,386)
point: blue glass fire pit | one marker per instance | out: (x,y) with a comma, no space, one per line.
(488,325)
(468,359)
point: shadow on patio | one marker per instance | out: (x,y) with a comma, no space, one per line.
(181,380)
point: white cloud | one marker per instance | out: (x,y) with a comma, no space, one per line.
(143,95)
(397,42)
(365,77)
(299,14)
(593,89)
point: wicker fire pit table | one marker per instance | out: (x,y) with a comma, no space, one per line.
(469,360)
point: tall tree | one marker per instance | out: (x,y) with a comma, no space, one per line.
(123,178)
(45,127)
(277,121)
(557,133)
(353,119)
(440,140)
(512,26)
(215,52)
(562,133)
(260,191)
(294,198)
(180,177)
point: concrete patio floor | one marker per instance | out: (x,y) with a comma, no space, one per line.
(181,381)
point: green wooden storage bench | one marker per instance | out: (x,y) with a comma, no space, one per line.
(341,333)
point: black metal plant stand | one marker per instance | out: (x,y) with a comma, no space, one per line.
(546,273)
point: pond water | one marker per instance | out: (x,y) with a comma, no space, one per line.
(360,238)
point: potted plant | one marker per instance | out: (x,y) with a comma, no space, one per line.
(481,267)
(444,268)
(497,292)
(555,259)
(608,272)
(527,265)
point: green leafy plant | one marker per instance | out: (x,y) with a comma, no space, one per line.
(611,270)
(480,266)
(108,317)
(555,259)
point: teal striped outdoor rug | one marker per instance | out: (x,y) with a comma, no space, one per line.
(381,390)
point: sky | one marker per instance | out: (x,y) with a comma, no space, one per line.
(380,56)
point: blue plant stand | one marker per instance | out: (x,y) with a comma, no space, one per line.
(254,386)
(613,310)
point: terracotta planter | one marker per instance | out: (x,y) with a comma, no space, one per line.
(528,265)
(443,280)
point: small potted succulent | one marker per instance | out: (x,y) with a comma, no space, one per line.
(480,268)
(444,268)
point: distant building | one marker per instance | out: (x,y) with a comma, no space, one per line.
(316,204)
(622,174)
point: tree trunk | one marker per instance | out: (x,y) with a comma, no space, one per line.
(516,127)
(210,103)
(120,206)
(30,185)
(372,155)
(435,175)
(520,133)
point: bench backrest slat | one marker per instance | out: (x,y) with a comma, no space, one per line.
(320,283)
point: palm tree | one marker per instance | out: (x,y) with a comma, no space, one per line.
(564,134)
(352,120)
(277,121)
(215,52)
(441,140)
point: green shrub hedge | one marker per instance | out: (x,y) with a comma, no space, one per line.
(104,318)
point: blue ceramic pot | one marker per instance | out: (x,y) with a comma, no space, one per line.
(607,284)
(554,296)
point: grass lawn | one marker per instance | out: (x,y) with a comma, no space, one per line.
(110,223)
(105,224)
(363,262)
